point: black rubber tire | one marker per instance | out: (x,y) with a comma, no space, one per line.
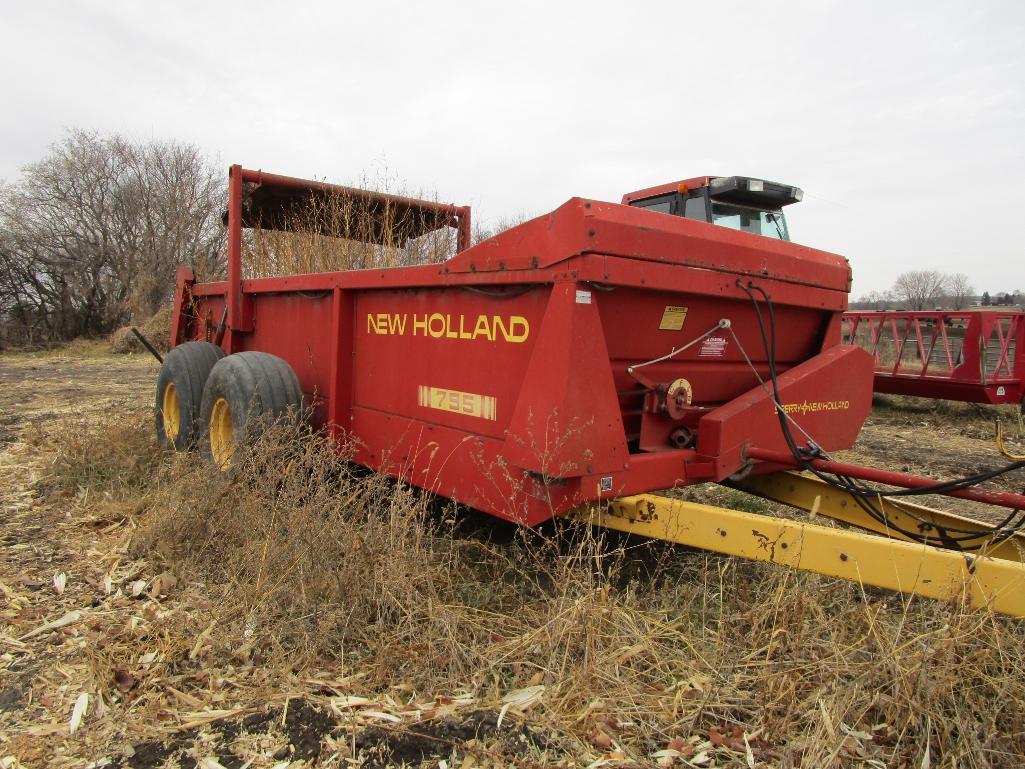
(257,388)
(186,367)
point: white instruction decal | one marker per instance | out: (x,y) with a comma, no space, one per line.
(583,297)
(713,347)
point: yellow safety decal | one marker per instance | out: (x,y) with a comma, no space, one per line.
(673,318)
(458,402)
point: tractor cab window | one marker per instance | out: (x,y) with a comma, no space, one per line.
(738,202)
(700,207)
(695,208)
(769,224)
(662,204)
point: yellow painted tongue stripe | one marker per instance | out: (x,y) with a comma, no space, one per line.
(870,559)
(458,402)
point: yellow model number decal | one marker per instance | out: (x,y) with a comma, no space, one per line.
(458,402)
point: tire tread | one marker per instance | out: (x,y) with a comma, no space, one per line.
(257,386)
(188,366)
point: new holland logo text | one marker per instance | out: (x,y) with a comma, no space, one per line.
(805,407)
(494,328)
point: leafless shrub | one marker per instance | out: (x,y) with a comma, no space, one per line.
(90,235)
(482,232)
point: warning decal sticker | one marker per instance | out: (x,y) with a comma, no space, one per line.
(713,347)
(673,318)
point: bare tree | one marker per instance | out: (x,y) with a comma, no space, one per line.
(875,300)
(920,289)
(91,234)
(177,199)
(960,290)
(500,225)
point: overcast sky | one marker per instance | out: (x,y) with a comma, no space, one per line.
(903,122)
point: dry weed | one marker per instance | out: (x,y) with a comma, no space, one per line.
(112,453)
(157,329)
(298,561)
(343,231)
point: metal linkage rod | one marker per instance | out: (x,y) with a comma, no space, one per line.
(903,480)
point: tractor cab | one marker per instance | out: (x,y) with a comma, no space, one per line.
(738,202)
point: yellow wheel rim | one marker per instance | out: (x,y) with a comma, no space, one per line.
(222,434)
(171,413)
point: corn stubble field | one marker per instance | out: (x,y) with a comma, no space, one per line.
(298,612)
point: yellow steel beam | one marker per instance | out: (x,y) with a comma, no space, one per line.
(856,556)
(809,493)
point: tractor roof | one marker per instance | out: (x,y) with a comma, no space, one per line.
(744,190)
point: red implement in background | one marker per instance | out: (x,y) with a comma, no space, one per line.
(964,355)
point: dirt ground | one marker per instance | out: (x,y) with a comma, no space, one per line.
(67,579)
(39,387)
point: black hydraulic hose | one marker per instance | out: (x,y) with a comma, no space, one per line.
(864,495)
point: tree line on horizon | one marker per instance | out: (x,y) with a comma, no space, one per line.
(91,235)
(934,290)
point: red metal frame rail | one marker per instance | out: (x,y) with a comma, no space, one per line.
(964,355)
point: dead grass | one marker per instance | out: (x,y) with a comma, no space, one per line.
(296,563)
(157,329)
(340,231)
(197,597)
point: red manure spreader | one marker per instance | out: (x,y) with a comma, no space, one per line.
(576,363)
